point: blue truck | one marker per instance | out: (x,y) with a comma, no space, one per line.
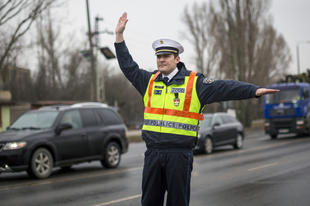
(287,111)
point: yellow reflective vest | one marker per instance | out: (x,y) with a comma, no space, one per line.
(173,109)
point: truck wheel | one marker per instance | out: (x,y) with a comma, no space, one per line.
(274,136)
(112,155)
(41,164)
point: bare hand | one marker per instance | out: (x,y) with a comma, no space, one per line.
(264,91)
(121,27)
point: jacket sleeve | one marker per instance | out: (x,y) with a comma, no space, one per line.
(138,77)
(223,90)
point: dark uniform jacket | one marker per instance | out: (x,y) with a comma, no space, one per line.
(207,91)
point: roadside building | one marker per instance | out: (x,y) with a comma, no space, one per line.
(5,103)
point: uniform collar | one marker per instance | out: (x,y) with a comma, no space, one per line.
(179,77)
(172,74)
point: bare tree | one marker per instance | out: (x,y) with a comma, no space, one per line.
(247,42)
(248,47)
(62,73)
(129,101)
(50,53)
(16,17)
(199,26)
(78,77)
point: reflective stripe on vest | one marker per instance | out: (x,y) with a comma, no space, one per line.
(166,115)
(173,112)
(175,125)
(185,112)
(151,88)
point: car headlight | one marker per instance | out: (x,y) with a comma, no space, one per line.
(14,145)
(300,122)
(199,135)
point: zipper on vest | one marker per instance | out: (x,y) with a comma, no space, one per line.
(164,106)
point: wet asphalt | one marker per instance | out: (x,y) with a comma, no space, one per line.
(264,172)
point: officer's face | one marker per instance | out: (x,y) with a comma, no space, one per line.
(166,63)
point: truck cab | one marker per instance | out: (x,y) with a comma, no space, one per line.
(288,110)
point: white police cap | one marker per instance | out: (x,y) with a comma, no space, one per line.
(167,46)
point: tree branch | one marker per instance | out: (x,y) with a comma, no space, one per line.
(39,7)
(3,20)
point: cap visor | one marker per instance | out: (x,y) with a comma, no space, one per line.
(164,52)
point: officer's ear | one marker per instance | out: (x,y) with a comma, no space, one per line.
(177,59)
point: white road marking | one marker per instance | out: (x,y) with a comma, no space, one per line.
(119,200)
(263,166)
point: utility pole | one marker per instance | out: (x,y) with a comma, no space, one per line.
(97,90)
(100,79)
(93,86)
(298,70)
(100,76)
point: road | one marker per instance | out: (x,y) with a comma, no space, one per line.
(265,172)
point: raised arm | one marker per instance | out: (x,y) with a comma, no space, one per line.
(120,28)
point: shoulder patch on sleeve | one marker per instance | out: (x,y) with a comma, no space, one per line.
(208,80)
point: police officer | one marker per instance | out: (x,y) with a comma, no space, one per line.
(174,98)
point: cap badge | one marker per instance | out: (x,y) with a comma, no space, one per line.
(161,41)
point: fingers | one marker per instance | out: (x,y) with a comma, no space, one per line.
(272,91)
(264,91)
(122,23)
(121,27)
(123,18)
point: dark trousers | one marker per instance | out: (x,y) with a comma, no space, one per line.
(166,170)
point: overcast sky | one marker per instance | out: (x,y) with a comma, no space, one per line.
(149,20)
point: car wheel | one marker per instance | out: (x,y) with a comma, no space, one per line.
(239,142)
(273,136)
(112,155)
(208,145)
(41,164)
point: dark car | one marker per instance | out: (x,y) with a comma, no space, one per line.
(60,136)
(219,129)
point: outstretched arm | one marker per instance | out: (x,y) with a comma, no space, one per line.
(264,91)
(120,28)
(225,90)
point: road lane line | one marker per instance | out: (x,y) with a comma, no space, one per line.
(260,167)
(117,201)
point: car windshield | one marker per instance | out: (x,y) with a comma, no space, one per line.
(206,122)
(284,96)
(35,120)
